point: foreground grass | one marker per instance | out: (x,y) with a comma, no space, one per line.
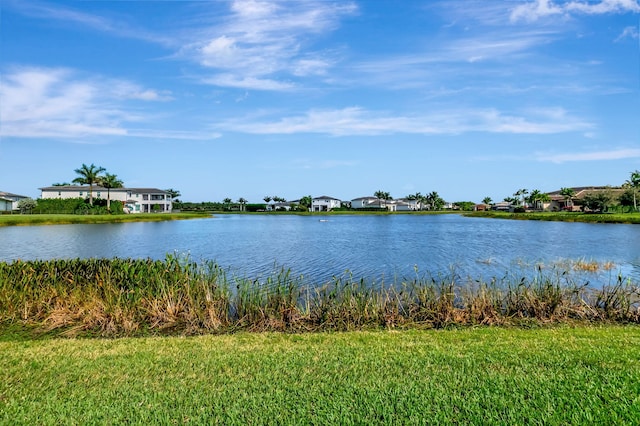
(65,219)
(630,218)
(584,375)
(141,297)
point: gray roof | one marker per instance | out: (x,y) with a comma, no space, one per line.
(325,197)
(9,194)
(100,188)
(365,198)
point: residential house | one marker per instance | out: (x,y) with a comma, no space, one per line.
(14,198)
(366,202)
(6,205)
(286,205)
(559,202)
(406,204)
(325,204)
(135,200)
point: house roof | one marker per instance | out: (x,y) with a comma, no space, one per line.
(9,194)
(325,197)
(100,188)
(364,198)
(581,191)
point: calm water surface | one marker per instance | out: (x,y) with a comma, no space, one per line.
(371,247)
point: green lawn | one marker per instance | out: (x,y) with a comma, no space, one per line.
(62,219)
(631,218)
(584,375)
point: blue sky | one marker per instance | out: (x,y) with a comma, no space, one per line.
(469,98)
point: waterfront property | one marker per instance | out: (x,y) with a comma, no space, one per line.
(325,204)
(135,200)
(9,201)
(401,204)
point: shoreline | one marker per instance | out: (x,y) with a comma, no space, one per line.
(74,219)
(70,219)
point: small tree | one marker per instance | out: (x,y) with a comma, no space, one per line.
(598,202)
(487,200)
(306,201)
(626,199)
(26,205)
(226,203)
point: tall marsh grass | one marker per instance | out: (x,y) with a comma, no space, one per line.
(116,297)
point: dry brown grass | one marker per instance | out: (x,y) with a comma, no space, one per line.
(130,297)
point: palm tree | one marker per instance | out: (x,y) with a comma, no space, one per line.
(109,181)
(543,198)
(634,184)
(435,200)
(382,195)
(568,194)
(487,200)
(88,176)
(520,196)
(242,202)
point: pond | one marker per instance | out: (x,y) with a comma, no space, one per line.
(373,247)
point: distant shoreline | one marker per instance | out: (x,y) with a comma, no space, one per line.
(71,219)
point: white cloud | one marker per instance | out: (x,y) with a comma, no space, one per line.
(616,154)
(60,103)
(240,82)
(357,121)
(262,41)
(628,32)
(532,11)
(57,12)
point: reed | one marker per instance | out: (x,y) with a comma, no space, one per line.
(123,297)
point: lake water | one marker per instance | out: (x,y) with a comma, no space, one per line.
(373,247)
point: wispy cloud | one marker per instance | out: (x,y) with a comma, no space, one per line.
(309,164)
(358,121)
(62,103)
(57,12)
(628,32)
(616,154)
(537,9)
(262,41)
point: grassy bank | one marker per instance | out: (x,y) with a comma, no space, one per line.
(584,375)
(120,297)
(630,218)
(65,219)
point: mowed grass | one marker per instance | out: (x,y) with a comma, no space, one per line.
(66,219)
(628,218)
(584,375)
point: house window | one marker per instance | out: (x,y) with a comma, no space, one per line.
(59,194)
(81,193)
(98,194)
(145,197)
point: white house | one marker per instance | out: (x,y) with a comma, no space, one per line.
(5,204)
(364,202)
(401,204)
(325,204)
(135,200)
(13,198)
